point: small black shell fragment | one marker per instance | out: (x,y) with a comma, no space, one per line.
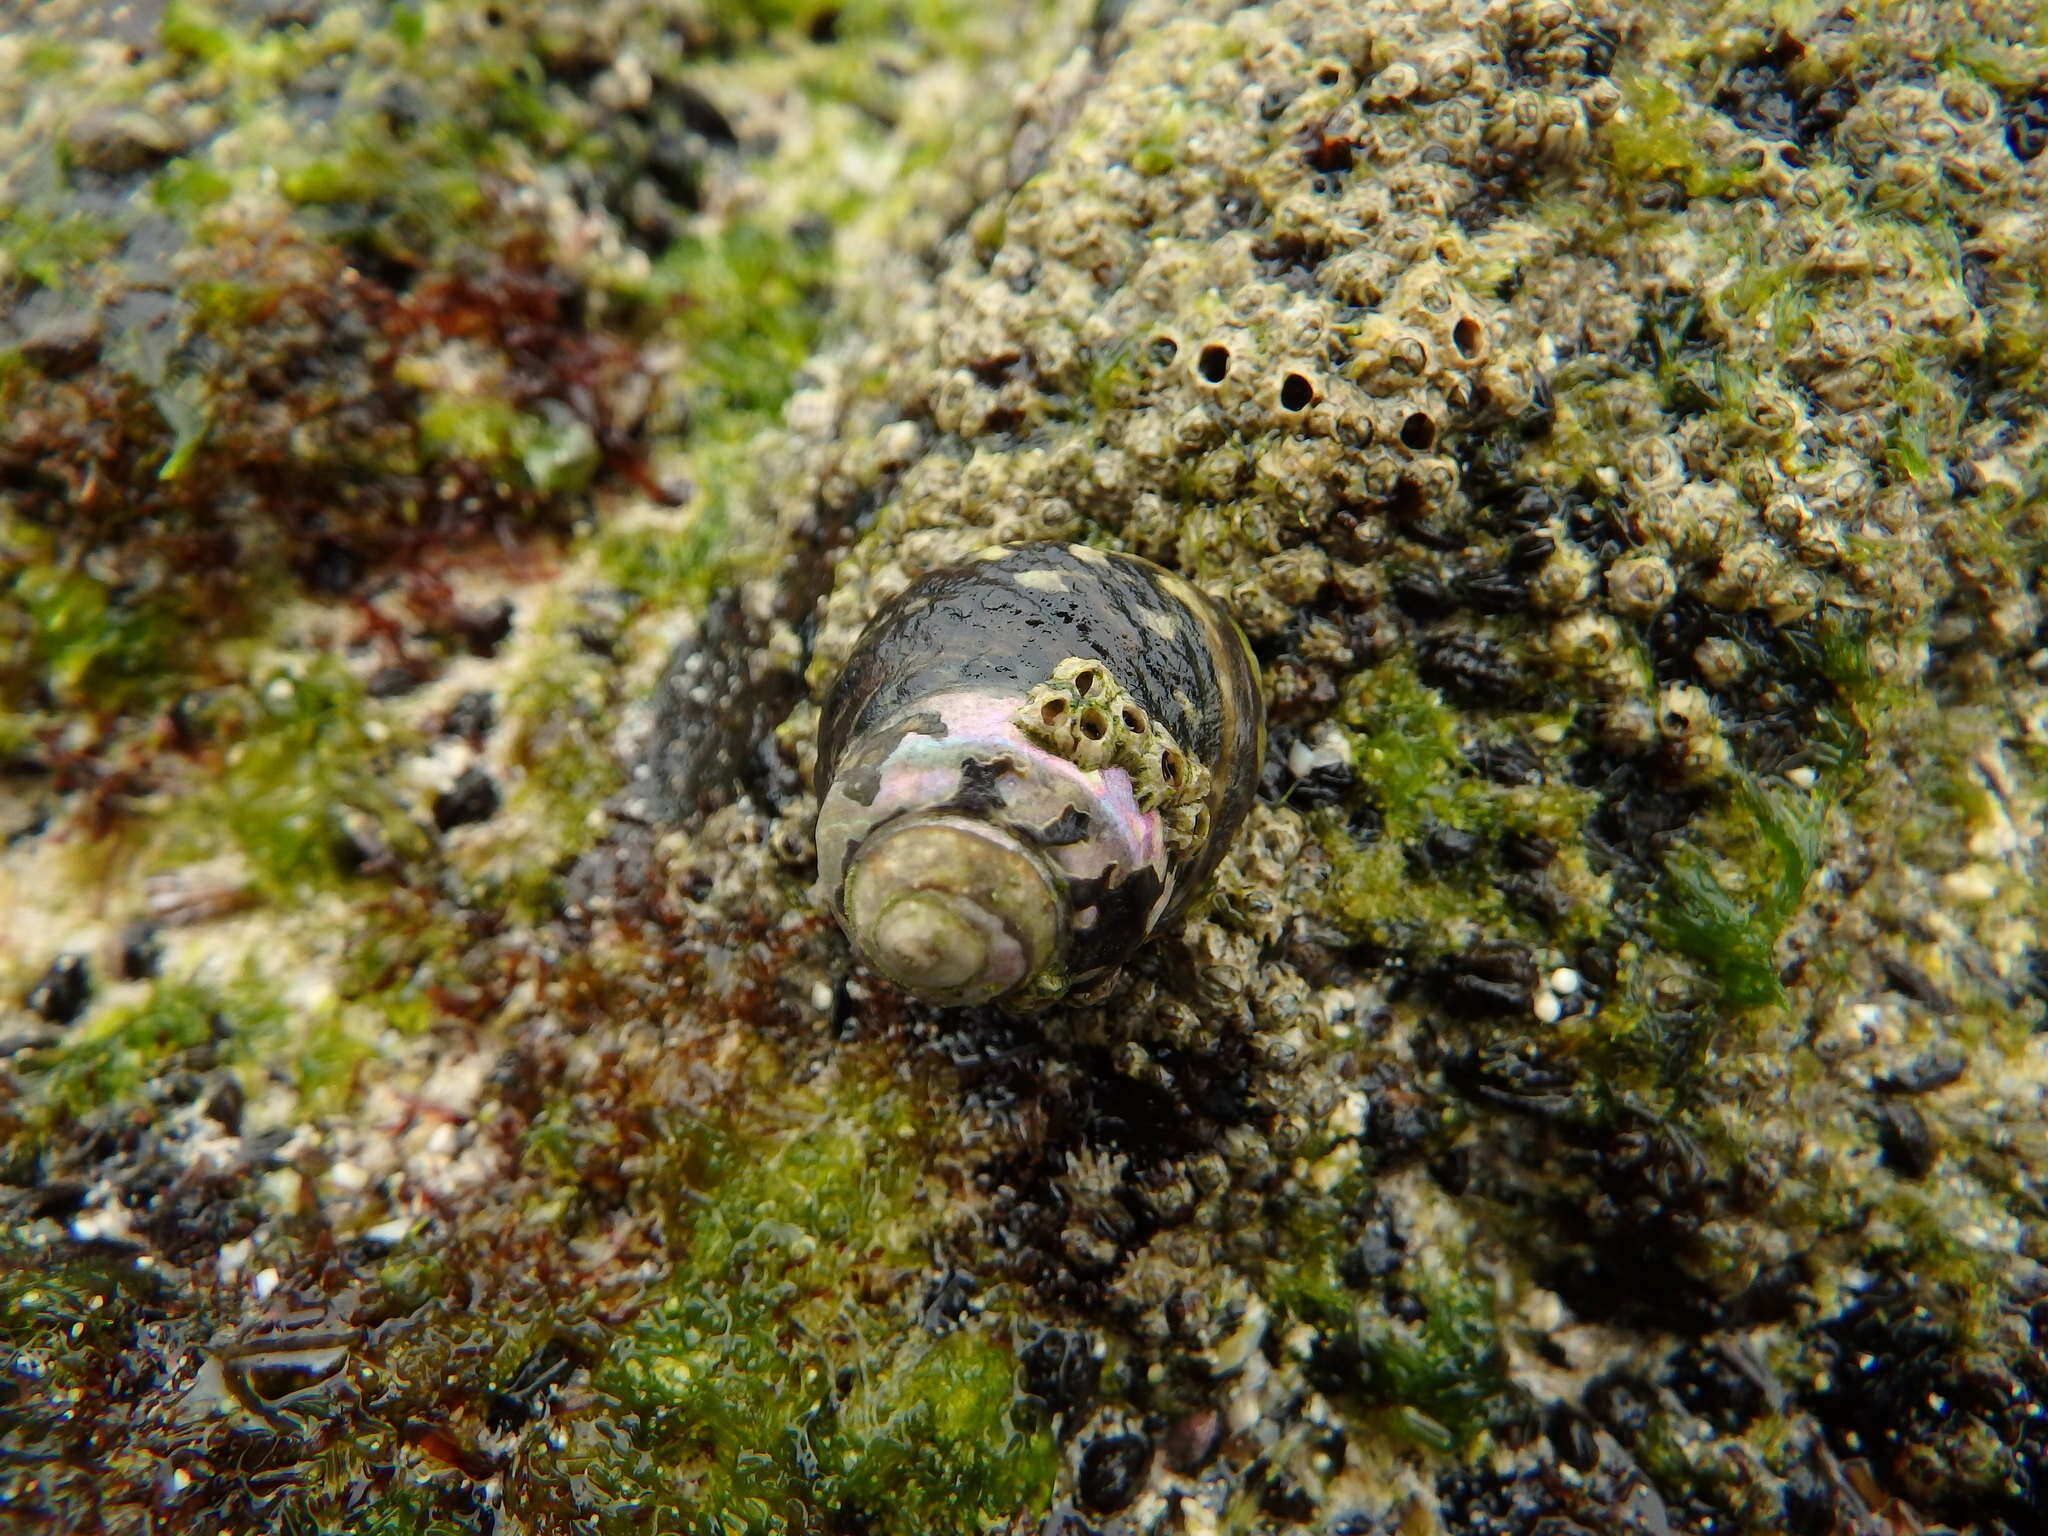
(1493,979)
(1381,1249)
(64,990)
(473,797)
(2026,127)
(1326,784)
(1622,1402)
(1905,1141)
(1909,980)
(471,716)
(1061,1369)
(139,952)
(945,1299)
(1113,1472)
(483,630)
(1468,669)
(1445,847)
(1571,1434)
(1526,851)
(1510,763)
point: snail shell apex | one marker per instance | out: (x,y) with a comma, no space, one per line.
(1028,767)
(952,910)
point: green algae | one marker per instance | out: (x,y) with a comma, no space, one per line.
(1656,138)
(1728,893)
(551,452)
(406,1512)
(47,57)
(756,1384)
(1406,743)
(49,1311)
(560,703)
(1731,922)
(1437,1379)
(1409,749)
(305,759)
(50,248)
(191,30)
(1445,1377)
(329,1058)
(662,565)
(748,303)
(115,1053)
(90,647)
(1158,152)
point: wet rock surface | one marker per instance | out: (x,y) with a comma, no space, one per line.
(1603,1088)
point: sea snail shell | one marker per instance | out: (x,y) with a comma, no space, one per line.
(1029,766)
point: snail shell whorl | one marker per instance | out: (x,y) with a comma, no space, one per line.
(952,909)
(1028,767)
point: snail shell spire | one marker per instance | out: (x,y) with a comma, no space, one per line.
(953,909)
(1029,765)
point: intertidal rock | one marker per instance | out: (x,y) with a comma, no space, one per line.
(1602,1085)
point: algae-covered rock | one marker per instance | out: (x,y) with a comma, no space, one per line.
(447,452)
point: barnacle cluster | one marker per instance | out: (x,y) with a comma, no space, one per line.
(1084,714)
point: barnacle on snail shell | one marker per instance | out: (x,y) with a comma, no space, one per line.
(1029,766)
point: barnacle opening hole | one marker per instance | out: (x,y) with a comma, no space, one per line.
(1296,393)
(1084,682)
(1418,432)
(1053,711)
(1214,362)
(1093,723)
(1468,336)
(1134,718)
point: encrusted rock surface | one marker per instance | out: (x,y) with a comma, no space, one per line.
(1605,1087)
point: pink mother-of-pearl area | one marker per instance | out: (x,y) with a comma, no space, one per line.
(924,772)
